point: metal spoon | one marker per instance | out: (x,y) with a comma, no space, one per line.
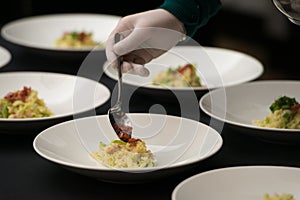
(118,119)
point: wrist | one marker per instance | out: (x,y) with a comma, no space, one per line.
(193,14)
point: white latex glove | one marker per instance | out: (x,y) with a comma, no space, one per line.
(145,36)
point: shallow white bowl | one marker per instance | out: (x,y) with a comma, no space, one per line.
(42,31)
(5,56)
(217,67)
(63,95)
(176,142)
(236,183)
(250,101)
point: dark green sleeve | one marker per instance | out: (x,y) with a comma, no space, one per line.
(192,13)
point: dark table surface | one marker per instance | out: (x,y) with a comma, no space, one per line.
(26,175)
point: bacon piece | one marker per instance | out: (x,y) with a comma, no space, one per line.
(18,95)
(81,36)
(124,136)
(133,141)
(185,67)
(296,107)
(124,132)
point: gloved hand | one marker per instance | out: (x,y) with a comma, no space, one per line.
(144,36)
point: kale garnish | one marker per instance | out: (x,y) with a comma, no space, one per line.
(283,102)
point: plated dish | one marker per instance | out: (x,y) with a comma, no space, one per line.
(284,114)
(246,182)
(23,103)
(133,153)
(42,32)
(77,39)
(177,143)
(216,67)
(180,76)
(60,92)
(5,56)
(276,196)
(248,102)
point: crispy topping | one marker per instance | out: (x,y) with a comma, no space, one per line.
(296,107)
(185,67)
(18,95)
(133,141)
(82,36)
(124,132)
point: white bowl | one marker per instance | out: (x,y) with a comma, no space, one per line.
(5,56)
(217,67)
(251,101)
(63,95)
(236,183)
(42,31)
(176,142)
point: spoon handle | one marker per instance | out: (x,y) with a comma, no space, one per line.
(119,70)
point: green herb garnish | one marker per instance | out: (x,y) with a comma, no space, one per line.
(283,103)
(119,142)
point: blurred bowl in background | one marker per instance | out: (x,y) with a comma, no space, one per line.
(61,93)
(216,67)
(236,183)
(5,56)
(41,32)
(247,102)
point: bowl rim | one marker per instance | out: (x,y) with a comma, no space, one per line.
(232,168)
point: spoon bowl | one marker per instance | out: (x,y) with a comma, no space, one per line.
(118,119)
(120,122)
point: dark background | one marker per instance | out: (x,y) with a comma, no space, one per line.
(255,27)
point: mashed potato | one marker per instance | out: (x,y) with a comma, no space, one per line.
(278,197)
(23,104)
(182,76)
(285,114)
(119,154)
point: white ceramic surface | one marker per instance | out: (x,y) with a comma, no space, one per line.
(176,142)
(250,101)
(42,31)
(5,56)
(236,183)
(62,93)
(217,67)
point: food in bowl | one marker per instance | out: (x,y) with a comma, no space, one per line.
(76,39)
(23,103)
(285,113)
(181,76)
(276,196)
(120,154)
